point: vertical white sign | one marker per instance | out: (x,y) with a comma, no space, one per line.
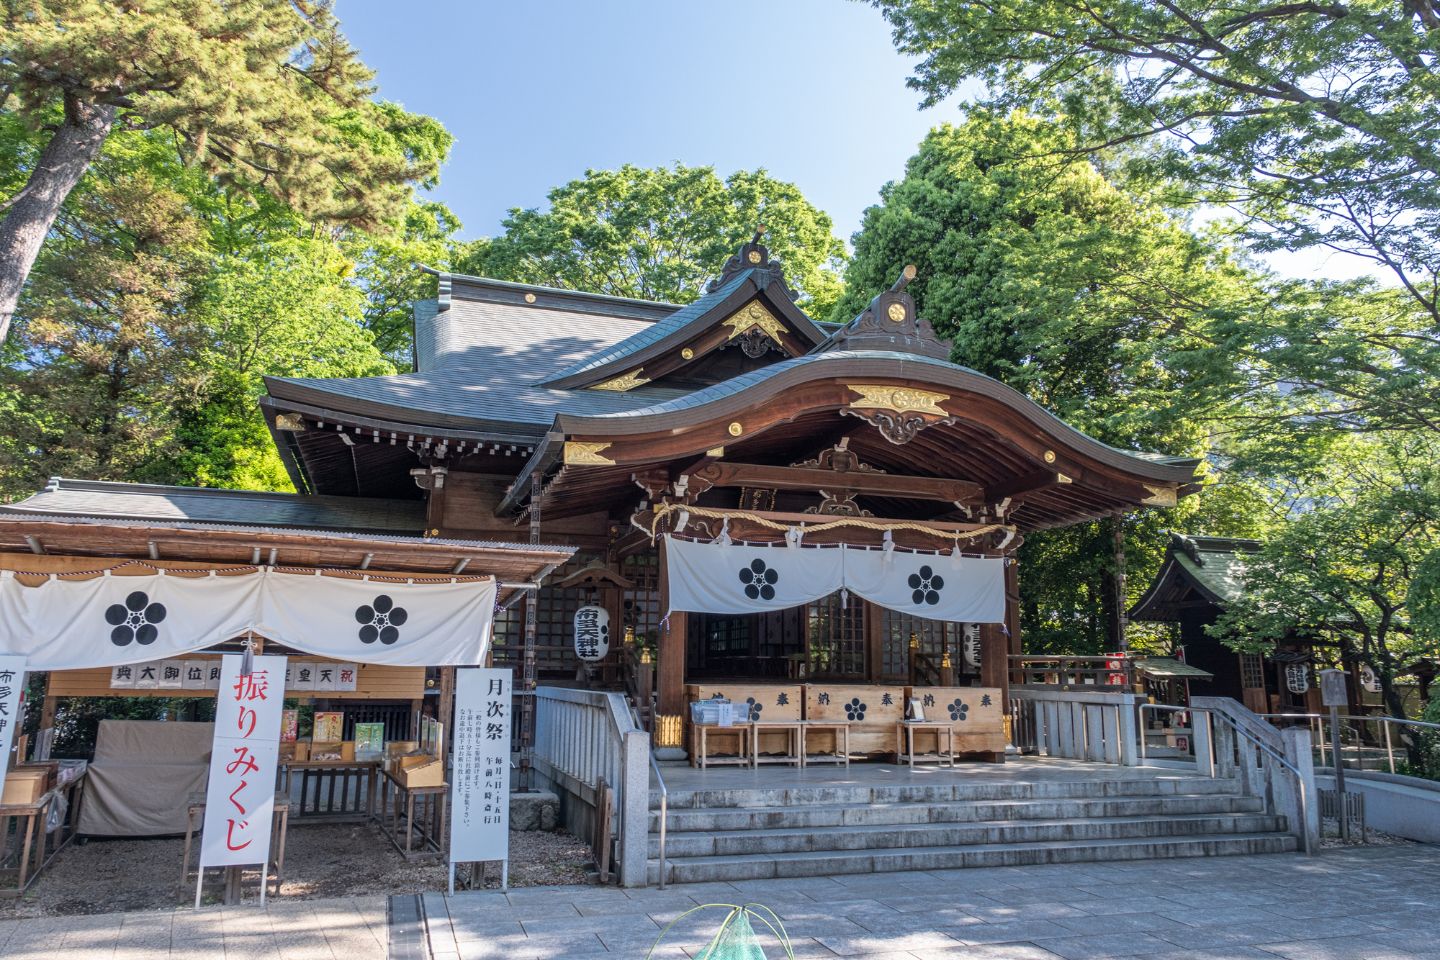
(480,774)
(12,681)
(240,798)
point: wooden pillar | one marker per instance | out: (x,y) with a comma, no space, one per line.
(995,645)
(874,640)
(670,672)
(445,704)
(1012,613)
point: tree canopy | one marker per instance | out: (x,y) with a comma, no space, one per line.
(661,233)
(1319,121)
(258,93)
(1077,291)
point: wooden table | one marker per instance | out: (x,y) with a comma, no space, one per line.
(839,728)
(279,825)
(319,803)
(702,759)
(33,848)
(431,821)
(905,742)
(794,742)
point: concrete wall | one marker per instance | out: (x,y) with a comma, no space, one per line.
(1404,806)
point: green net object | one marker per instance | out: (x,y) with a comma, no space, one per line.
(736,939)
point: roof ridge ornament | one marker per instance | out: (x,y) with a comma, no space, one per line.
(891,322)
(753,256)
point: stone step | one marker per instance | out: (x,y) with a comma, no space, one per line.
(764,866)
(726,843)
(876,814)
(945,791)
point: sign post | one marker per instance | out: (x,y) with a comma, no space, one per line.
(1332,695)
(240,795)
(12,681)
(480,775)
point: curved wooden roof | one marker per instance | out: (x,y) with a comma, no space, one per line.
(907,414)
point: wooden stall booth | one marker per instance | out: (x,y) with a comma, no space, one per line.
(142,604)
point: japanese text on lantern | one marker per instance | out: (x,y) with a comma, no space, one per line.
(480,777)
(241,795)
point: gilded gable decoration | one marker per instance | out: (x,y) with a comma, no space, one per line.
(899,413)
(899,399)
(580,453)
(621,384)
(754,316)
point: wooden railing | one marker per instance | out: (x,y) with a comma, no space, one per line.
(1067,672)
(1075,724)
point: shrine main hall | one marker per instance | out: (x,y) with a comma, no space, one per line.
(756,499)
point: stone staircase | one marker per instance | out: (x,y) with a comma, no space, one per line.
(746,834)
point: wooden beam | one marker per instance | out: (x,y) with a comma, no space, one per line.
(721,473)
(1026,484)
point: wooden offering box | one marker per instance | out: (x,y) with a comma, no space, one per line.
(421,770)
(25,785)
(976,714)
(872,712)
(753,701)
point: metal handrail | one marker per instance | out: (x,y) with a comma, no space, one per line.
(1158,706)
(1321,742)
(1265,748)
(664,805)
(664,800)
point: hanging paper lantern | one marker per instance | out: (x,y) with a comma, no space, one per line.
(1368,680)
(1297,677)
(970,645)
(592,633)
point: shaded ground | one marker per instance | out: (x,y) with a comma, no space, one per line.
(321,861)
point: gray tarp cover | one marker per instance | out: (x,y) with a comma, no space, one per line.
(143,772)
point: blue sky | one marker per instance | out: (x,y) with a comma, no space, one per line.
(537,91)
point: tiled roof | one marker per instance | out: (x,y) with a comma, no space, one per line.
(655,332)
(1213,567)
(481,363)
(99,499)
(1216,563)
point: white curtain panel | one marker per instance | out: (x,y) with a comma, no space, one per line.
(944,587)
(731,578)
(110,621)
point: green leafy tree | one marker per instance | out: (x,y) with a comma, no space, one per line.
(385,271)
(261,93)
(661,234)
(1087,297)
(1320,122)
(1341,561)
(102,353)
(153,315)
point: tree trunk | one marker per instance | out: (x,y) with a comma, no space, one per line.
(61,165)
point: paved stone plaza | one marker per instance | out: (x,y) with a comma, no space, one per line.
(1375,903)
(1367,904)
(351,929)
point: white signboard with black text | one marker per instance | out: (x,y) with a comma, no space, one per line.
(240,797)
(480,773)
(12,681)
